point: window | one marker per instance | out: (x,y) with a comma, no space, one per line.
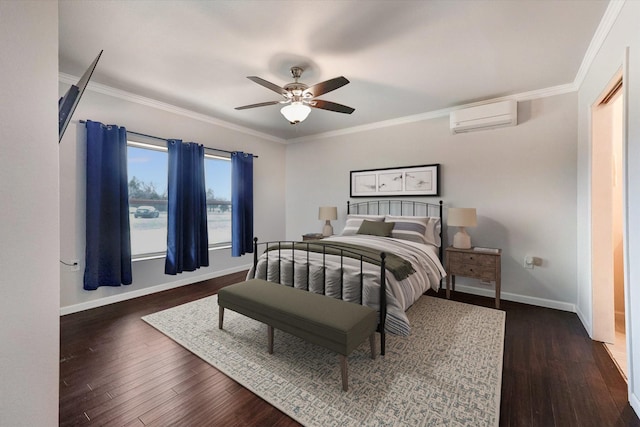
(217,177)
(147,169)
(148,172)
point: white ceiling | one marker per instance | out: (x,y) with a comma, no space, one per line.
(403,58)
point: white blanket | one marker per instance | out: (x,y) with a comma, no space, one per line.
(401,294)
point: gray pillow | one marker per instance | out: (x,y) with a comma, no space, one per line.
(373,228)
(355,221)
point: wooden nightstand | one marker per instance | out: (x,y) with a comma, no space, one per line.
(312,236)
(483,265)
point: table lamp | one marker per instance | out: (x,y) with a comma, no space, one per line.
(327,213)
(462,217)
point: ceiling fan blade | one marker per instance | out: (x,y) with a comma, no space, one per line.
(326,86)
(261,104)
(331,106)
(268,85)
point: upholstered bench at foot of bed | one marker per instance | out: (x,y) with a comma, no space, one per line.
(329,322)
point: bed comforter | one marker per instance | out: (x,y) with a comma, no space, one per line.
(306,271)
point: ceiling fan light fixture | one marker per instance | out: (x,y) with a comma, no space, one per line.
(295,112)
(299,98)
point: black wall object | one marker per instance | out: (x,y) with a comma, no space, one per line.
(67,104)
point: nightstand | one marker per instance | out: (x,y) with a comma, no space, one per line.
(312,236)
(477,264)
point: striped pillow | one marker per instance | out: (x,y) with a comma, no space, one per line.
(355,221)
(420,229)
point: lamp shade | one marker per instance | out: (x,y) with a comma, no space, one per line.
(462,217)
(328,213)
(295,112)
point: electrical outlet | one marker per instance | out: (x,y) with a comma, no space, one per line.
(532,261)
(528,262)
(75,265)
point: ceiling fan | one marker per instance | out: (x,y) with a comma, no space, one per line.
(299,98)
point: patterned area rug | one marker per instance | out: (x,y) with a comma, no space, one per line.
(447,373)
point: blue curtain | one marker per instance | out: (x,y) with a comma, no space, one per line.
(108,247)
(241,203)
(187,239)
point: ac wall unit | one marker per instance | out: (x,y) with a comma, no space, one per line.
(487,116)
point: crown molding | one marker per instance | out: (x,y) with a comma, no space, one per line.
(128,96)
(524,96)
(606,23)
(372,126)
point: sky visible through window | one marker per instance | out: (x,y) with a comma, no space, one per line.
(151,167)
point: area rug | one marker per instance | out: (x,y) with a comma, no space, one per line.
(448,372)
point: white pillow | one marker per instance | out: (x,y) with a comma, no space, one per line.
(355,221)
(421,229)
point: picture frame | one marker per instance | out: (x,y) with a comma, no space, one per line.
(423,180)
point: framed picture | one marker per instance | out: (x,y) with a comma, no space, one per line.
(404,181)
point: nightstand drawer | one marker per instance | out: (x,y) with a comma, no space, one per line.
(474,271)
(472,259)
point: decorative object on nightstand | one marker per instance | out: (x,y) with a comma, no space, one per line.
(462,217)
(327,213)
(477,263)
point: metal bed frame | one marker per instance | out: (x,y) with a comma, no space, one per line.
(377,207)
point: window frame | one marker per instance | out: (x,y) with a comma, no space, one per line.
(155,147)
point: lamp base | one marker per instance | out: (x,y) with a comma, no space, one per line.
(462,240)
(327,230)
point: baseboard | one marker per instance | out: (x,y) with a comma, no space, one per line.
(586,325)
(507,296)
(147,291)
(635,403)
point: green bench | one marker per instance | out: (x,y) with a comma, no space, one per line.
(328,322)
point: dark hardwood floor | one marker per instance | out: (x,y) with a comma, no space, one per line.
(117,370)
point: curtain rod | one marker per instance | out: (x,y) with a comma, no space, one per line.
(165,139)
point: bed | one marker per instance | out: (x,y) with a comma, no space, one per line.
(388,254)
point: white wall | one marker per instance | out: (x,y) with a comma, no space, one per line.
(148,276)
(29,330)
(521,180)
(607,62)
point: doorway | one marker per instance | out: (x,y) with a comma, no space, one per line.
(607,225)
